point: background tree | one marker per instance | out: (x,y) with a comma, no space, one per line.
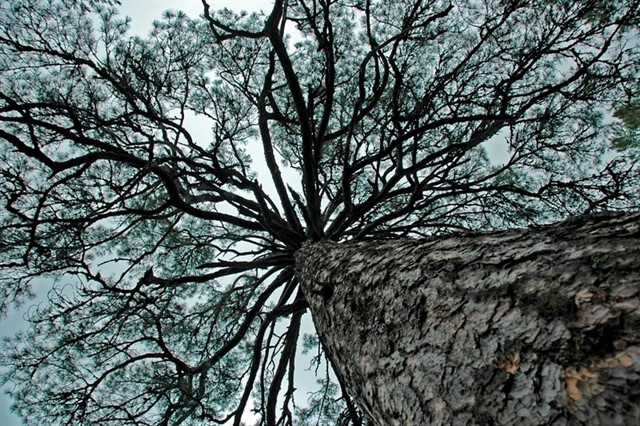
(176,298)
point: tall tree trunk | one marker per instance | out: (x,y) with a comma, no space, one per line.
(537,326)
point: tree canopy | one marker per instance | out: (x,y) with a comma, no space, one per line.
(166,181)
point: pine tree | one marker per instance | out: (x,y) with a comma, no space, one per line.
(167,182)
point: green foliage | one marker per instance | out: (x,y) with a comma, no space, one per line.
(628,134)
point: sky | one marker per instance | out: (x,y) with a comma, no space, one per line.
(142,13)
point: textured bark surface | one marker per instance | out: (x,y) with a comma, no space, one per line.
(537,326)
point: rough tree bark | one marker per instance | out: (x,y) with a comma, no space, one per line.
(536,326)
